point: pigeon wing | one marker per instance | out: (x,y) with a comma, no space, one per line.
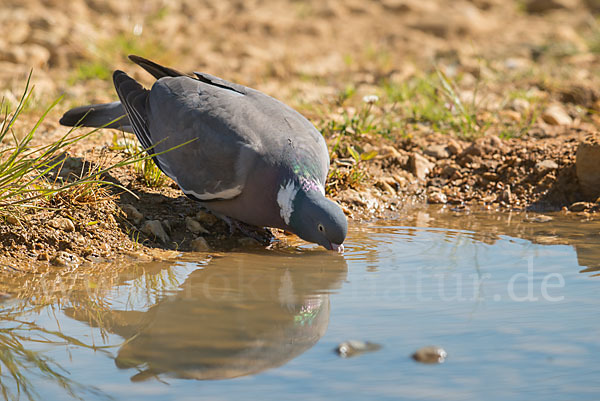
(224,147)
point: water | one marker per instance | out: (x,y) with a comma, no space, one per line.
(514,302)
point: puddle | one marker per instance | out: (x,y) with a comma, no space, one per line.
(512,299)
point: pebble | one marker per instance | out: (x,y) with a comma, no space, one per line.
(579,206)
(430,354)
(437,198)
(449,170)
(10,219)
(437,151)
(556,115)
(394,154)
(132,213)
(490,176)
(195,227)
(511,115)
(545,166)
(350,348)
(454,147)
(419,165)
(64,259)
(587,166)
(62,223)
(155,228)
(506,196)
(200,245)
(520,105)
(386,187)
(472,150)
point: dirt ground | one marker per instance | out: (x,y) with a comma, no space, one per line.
(486,104)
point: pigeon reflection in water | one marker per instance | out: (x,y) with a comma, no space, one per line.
(240,315)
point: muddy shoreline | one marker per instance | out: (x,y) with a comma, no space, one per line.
(159,223)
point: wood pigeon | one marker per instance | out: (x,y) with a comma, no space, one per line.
(252,158)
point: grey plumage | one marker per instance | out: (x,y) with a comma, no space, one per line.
(252,158)
(98,115)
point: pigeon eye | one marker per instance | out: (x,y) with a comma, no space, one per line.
(321,228)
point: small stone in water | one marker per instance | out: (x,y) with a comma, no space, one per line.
(540,219)
(350,348)
(430,354)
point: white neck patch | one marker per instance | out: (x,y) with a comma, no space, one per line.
(285,200)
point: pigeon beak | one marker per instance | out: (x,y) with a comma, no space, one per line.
(336,247)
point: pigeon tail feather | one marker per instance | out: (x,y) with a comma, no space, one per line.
(98,115)
(156,70)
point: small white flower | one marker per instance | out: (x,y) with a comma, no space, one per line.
(370,99)
(138,29)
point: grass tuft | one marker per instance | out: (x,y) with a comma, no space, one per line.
(147,171)
(30,176)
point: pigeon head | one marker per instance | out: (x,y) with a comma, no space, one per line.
(315,218)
